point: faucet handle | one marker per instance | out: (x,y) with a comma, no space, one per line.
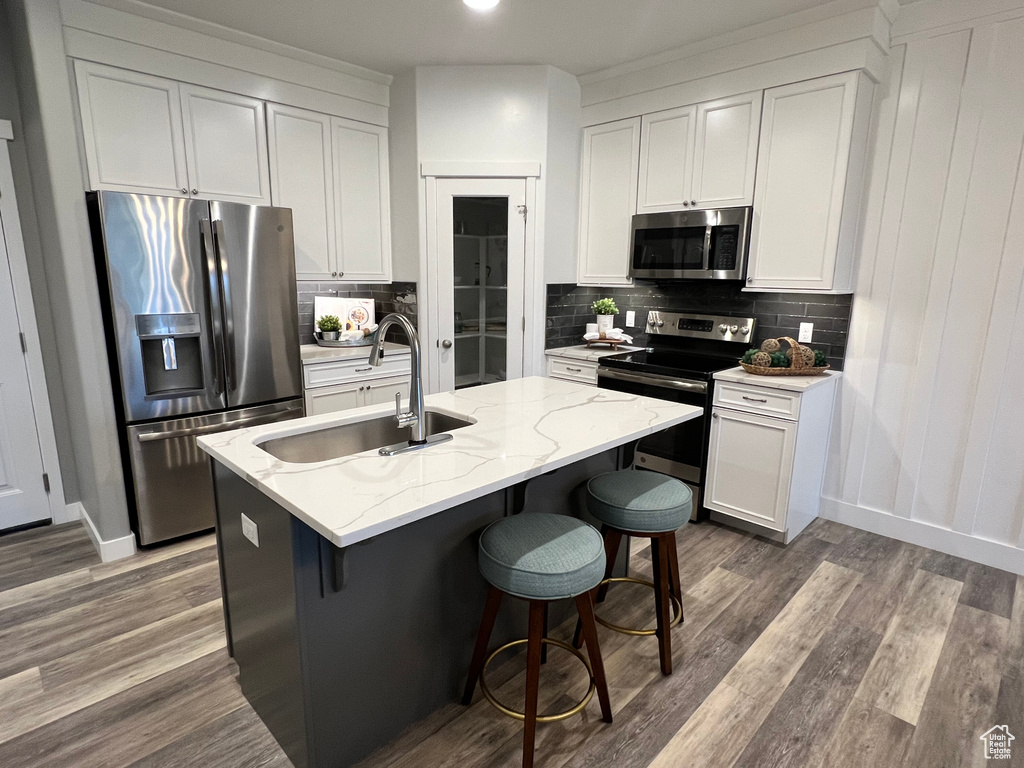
(398,405)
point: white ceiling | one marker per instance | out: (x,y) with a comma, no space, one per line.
(578,36)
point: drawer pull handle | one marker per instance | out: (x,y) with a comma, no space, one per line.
(363,370)
(574,370)
(755,399)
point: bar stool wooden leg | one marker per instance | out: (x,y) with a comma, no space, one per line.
(673,564)
(585,607)
(661,601)
(483,637)
(544,646)
(533,653)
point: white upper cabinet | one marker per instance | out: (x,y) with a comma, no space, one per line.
(302,178)
(362,201)
(725,151)
(700,156)
(608,194)
(666,160)
(226,146)
(131,124)
(810,169)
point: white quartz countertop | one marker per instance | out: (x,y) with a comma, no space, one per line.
(591,354)
(791,383)
(523,428)
(314,353)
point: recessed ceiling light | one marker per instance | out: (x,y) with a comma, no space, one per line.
(481,5)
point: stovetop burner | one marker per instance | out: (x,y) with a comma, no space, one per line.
(688,346)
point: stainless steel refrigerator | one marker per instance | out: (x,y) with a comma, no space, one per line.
(201,318)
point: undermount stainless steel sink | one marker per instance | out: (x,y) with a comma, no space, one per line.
(347,439)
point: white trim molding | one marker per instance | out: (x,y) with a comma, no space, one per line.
(459,169)
(108,549)
(974,548)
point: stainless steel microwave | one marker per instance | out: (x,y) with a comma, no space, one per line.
(690,245)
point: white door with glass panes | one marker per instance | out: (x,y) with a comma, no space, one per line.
(480,277)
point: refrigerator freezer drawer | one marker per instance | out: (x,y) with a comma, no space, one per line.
(173,482)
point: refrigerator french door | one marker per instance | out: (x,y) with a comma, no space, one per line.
(481,237)
(201,316)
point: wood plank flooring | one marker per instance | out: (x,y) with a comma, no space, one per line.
(843,650)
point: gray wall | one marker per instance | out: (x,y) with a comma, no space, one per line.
(57,192)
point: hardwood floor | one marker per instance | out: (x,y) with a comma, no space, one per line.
(843,650)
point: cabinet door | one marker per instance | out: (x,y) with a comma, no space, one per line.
(803,156)
(725,154)
(337,398)
(608,184)
(381,391)
(226,146)
(666,160)
(750,466)
(302,178)
(131,124)
(361,194)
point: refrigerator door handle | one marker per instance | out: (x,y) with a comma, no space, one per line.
(210,263)
(149,437)
(225,293)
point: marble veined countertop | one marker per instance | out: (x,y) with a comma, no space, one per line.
(314,353)
(792,383)
(590,354)
(523,428)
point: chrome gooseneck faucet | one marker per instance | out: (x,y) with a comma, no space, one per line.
(415,418)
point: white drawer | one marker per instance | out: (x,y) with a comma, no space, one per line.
(572,370)
(327,374)
(779,403)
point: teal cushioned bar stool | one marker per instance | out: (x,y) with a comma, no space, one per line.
(649,505)
(540,557)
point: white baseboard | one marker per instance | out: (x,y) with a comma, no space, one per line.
(109,549)
(993,553)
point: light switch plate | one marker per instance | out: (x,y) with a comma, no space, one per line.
(250,530)
(806,332)
(630,318)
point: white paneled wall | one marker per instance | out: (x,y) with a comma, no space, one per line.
(929,443)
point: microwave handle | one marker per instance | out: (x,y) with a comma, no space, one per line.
(707,248)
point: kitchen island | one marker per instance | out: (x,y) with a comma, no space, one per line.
(351,588)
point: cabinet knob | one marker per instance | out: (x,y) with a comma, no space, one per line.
(750,279)
(195,191)
(693,202)
(334,274)
(714,415)
(686,204)
(341,274)
(362,388)
(447,343)
(184,190)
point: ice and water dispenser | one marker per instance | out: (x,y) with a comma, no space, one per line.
(172,354)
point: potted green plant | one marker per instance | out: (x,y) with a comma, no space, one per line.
(330,327)
(606,311)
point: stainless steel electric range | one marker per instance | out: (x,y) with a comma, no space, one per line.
(684,352)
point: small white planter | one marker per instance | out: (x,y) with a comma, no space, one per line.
(605,322)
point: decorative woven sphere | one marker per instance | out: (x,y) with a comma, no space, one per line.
(806,352)
(761,358)
(770,345)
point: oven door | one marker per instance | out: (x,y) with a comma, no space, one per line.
(679,451)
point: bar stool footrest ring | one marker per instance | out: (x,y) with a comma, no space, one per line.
(677,609)
(576,709)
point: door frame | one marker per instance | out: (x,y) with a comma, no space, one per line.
(60,511)
(534,291)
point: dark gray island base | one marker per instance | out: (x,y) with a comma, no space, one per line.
(340,650)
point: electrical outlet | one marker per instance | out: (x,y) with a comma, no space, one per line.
(630,318)
(806,332)
(250,530)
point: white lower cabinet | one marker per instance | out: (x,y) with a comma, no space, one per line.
(767,471)
(570,369)
(341,397)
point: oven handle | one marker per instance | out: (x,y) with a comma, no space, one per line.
(653,380)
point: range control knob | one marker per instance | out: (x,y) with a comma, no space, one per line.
(661,323)
(723,328)
(734,328)
(744,330)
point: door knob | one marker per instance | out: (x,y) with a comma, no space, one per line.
(447,343)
